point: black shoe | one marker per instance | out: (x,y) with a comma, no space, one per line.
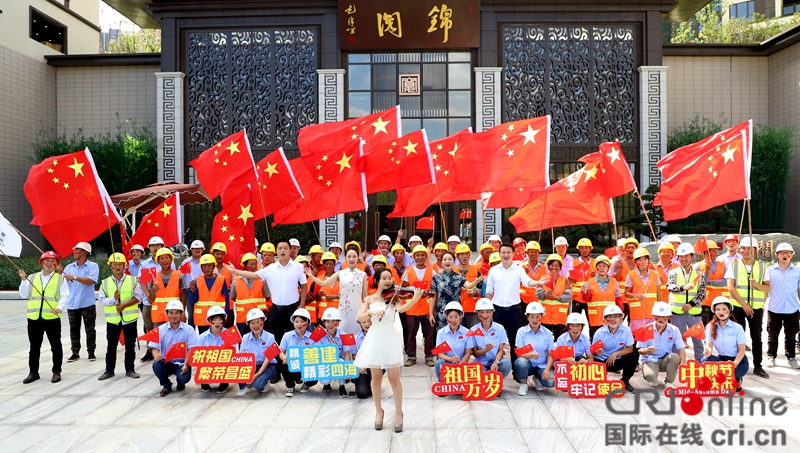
(73,358)
(148,356)
(106,375)
(629,387)
(761,373)
(181,387)
(165,391)
(92,358)
(132,374)
(222,388)
(31,377)
(275,379)
(56,378)
(342,391)
(204,387)
(327,388)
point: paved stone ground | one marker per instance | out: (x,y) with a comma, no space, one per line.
(122,414)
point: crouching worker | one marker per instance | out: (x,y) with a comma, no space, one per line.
(257,341)
(170,333)
(534,366)
(657,354)
(215,317)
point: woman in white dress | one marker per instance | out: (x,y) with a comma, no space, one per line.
(352,290)
(383,346)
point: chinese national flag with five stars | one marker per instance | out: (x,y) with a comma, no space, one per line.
(234,227)
(396,164)
(616,174)
(509,156)
(224,163)
(372,130)
(164,221)
(678,159)
(644,333)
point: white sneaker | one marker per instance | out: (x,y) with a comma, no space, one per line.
(539,386)
(243,392)
(793,363)
(530,381)
(523,390)
(770,362)
(653,384)
(266,388)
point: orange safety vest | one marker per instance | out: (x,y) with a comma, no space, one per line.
(422,307)
(662,274)
(165,294)
(599,300)
(371,280)
(226,274)
(715,291)
(526,294)
(643,309)
(468,302)
(248,298)
(622,275)
(555,312)
(577,285)
(331,298)
(207,298)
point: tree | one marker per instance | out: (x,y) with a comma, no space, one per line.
(145,41)
(708,27)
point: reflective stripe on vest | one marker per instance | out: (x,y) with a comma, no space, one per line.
(165,294)
(207,298)
(555,312)
(467,301)
(48,297)
(423,305)
(600,300)
(747,292)
(678,300)
(248,298)
(715,291)
(130,313)
(526,294)
(642,309)
(578,285)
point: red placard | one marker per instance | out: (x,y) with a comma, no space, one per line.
(585,380)
(704,379)
(469,380)
(215,364)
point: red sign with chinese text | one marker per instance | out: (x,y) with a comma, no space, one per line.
(704,379)
(215,364)
(585,380)
(469,380)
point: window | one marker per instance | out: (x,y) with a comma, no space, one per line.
(791,8)
(743,10)
(48,32)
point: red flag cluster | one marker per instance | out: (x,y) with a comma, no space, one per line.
(164,221)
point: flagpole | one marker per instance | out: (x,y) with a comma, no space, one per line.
(26,237)
(366,226)
(319,241)
(641,202)
(261,196)
(441,211)
(741,222)
(614,217)
(110,234)
(553,239)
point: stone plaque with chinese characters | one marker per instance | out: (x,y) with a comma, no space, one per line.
(409,84)
(408,24)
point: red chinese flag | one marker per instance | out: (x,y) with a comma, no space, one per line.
(524,350)
(348,339)
(318,333)
(509,198)
(485,269)
(230,336)
(676,161)
(147,275)
(397,164)
(176,351)
(696,331)
(126,245)
(224,164)
(234,227)
(276,183)
(475,333)
(272,351)
(508,156)
(657,199)
(422,284)
(701,246)
(575,200)
(427,223)
(372,130)
(151,336)
(122,338)
(598,345)
(614,170)
(164,221)
(442,348)
(611,252)
(645,333)
(720,175)
(562,352)
(186,268)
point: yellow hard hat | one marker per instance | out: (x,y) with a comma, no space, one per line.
(640,252)
(494,258)
(602,259)
(353,243)
(419,248)
(554,257)
(267,247)
(585,242)
(462,248)
(380,259)
(302,259)
(712,245)
(440,246)
(533,245)
(219,246)
(327,256)
(315,249)
(246,257)
(208,259)
(666,246)
(164,251)
(397,247)
(117,258)
(485,246)
(631,241)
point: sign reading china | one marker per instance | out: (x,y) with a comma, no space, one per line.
(585,380)
(704,379)
(319,362)
(404,24)
(469,380)
(216,364)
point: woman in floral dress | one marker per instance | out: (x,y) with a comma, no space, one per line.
(447,286)
(352,290)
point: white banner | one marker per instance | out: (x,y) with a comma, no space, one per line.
(10,240)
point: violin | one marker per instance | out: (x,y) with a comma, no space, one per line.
(403,293)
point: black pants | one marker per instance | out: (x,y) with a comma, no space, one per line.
(790,323)
(592,331)
(578,307)
(36,331)
(89,315)
(279,323)
(291,378)
(627,364)
(755,330)
(511,320)
(706,315)
(363,385)
(112,337)
(555,329)
(202,329)
(244,328)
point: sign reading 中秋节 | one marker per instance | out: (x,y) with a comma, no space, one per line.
(319,362)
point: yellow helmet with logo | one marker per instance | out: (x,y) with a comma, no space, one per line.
(533,245)
(379,259)
(164,251)
(485,246)
(585,242)
(247,257)
(267,247)
(631,240)
(117,258)
(208,259)
(302,259)
(397,247)
(328,256)
(353,243)
(315,249)
(602,259)
(219,246)
(440,246)
(494,258)
(666,246)
(640,252)
(418,249)
(554,257)
(462,248)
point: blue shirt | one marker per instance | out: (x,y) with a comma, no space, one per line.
(257,345)
(208,339)
(167,336)
(728,338)
(135,270)
(81,295)
(542,342)
(291,339)
(148,263)
(665,343)
(783,289)
(192,296)
(359,339)
(496,335)
(612,343)
(457,341)
(195,265)
(336,340)
(581,346)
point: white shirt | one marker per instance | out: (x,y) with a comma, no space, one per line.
(283,281)
(503,283)
(25,290)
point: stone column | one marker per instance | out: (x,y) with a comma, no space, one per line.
(653,123)
(169,112)
(331,108)
(487,115)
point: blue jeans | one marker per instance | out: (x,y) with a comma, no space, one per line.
(523,368)
(738,372)
(504,366)
(260,382)
(164,370)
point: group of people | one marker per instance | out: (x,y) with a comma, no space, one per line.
(516,302)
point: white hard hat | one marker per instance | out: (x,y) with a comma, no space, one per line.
(137,247)
(335,245)
(454,306)
(331,314)
(561,240)
(534,308)
(414,238)
(621,242)
(174,305)
(612,310)
(484,304)
(721,300)
(494,237)
(576,318)
(302,312)
(197,244)
(784,247)
(748,242)
(454,238)
(673,238)
(215,310)
(384,237)
(83,246)
(156,240)
(685,249)
(294,242)
(255,313)
(661,309)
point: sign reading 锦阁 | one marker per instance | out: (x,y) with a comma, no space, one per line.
(408,24)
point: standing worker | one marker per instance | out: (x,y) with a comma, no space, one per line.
(81,277)
(686,293)
(120,295)
(784,308)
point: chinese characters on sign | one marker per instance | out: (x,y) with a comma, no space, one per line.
(586,380)
(470,381)
(688,434)
(396,24)
(319,362)
(409,84)
(217,364)
(704,379)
